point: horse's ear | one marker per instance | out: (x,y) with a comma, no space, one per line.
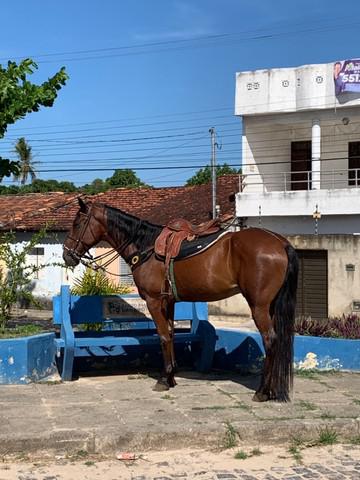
(82,204)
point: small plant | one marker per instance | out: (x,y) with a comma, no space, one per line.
(97,283)
(327,436)
(307,405)
(306,373)
(255,452)
(16,274)
(347,326)
(241,455)
(355,440)
(230,436)
(295,451)
(167,397)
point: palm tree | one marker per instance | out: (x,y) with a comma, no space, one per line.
(27,165)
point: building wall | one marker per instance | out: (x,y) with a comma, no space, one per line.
(306,225)
(267,141)
(344,286)
(308,87)
(51,277)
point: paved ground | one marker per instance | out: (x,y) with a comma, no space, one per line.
(103,415)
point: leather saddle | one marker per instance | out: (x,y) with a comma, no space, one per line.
(168,243)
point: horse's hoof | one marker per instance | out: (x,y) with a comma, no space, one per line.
(172,383)
(260,397)
(161,386)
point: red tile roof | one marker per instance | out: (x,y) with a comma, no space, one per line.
(33,211)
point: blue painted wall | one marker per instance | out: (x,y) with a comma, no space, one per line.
(243,351)
(27,359)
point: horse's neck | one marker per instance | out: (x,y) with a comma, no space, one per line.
(123,228)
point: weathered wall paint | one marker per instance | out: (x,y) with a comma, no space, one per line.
(243,351)
(27,359)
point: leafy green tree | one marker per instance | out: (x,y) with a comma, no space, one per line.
(18,97)
(43,186)
(26,163)
(96,186)
(124,178)
(204,174)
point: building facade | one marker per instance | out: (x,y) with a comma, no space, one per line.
(301,174)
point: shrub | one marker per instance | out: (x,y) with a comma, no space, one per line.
(347,326)
(97,283)
(16,274)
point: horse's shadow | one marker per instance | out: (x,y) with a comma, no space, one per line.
(241,365)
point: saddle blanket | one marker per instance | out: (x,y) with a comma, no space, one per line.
(199,245)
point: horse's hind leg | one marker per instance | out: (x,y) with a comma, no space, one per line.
(264,323)
(163,313)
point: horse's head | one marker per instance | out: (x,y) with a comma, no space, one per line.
(87,230)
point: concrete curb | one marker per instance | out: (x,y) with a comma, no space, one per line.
(69,442)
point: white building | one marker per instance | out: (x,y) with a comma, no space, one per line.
(301,167)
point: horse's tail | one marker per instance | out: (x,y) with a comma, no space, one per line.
(284,319)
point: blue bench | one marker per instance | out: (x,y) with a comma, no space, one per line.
(123,321)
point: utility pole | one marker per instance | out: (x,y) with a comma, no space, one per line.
(213,171)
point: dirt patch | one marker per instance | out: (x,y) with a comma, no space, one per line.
(189,463)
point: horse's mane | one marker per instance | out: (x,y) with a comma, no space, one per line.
(124,225)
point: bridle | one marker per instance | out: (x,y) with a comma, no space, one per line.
(86,258)
(73,252)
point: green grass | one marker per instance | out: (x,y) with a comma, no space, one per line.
(230,437)
(167,397)
(242,406)
(307,405)
(310,373)
(294,450)
(327,436)
(241,455)
(21,331)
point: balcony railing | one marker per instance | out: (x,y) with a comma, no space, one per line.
(302,180)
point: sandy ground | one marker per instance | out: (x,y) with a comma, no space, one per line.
(189,464)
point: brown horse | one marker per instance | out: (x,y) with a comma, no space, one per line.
(259,264)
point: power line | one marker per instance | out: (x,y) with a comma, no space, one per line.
(207,40)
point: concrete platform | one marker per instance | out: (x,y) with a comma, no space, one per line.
(101,414)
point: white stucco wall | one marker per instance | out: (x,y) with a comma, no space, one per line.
(52,277)
(307,87)
(288,225)
(266,147)
(345,201)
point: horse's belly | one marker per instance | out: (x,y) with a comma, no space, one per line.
(199,280)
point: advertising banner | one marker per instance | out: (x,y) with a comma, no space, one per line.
(347,76)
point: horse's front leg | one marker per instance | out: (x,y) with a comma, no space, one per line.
(163,315)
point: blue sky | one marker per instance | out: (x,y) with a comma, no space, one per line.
(148,78)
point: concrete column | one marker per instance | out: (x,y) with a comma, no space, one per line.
(315,153)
